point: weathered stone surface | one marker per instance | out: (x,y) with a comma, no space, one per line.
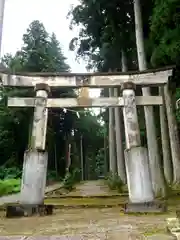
(160,237)
(149,207)
(55,238)
(28,210)
(12,237)
(173,227)
(122,235)
(34,177)
(132,132)
(42,238)
(136,157)
(173,224)
(137,169)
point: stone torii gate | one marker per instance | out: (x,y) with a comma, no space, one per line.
(35,159)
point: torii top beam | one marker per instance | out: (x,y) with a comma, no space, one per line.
(153,77)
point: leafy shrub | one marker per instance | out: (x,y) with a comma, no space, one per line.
(10,173)
(114,182)
(70,179)
(9,186)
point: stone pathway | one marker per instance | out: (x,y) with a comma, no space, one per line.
(92,188)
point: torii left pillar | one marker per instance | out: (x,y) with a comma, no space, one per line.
(35,162)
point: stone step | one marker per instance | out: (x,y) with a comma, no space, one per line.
(160,237)
(122,235)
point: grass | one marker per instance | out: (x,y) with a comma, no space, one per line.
(9,186)
(115,201)
(153,231)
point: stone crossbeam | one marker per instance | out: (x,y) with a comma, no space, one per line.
(94,80)
(92,102)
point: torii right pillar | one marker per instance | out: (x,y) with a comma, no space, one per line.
(141,196)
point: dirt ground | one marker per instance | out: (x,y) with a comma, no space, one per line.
(87,223)
(104,224)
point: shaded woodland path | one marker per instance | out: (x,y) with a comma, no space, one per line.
(92,188)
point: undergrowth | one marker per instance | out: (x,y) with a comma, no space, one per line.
(71,178)
(10,180)
(10,186)
(10,173)
(114,182)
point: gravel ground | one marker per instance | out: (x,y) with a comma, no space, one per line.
(87,224)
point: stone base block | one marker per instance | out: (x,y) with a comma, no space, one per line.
(178,214)
(147,207)
(173,226)
(28,210)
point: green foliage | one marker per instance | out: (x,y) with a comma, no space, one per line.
(40,52)
(9,186)
(165,32)
(100,163)
(10,173)
(107,27)
(52,176)
(114,182)
(71,178)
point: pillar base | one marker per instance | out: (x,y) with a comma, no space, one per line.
(138,175)
(146,207)
(28,210)
(34,177)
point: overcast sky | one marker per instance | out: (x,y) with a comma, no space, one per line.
(52,13)
(20,13)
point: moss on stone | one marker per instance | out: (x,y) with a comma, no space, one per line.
(150,232)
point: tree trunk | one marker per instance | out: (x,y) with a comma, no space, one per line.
(55,160)
(154,158)
(123,61)
(173,134)
(112,150)
(119,141)
(67,151)
(167,163)
(105,155)
(81,157)
(119,131)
